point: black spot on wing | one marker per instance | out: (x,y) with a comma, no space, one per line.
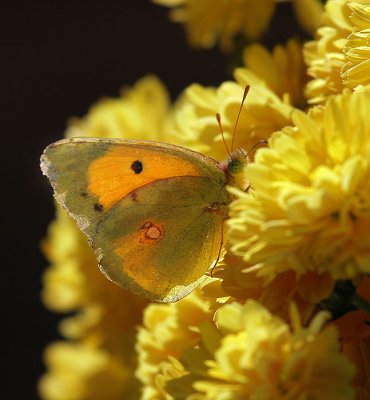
(98,207)
(137,166)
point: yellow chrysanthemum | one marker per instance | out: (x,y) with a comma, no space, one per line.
(356,70)
(139,113)
(255,355)
(309,209)
(207,21)
(194,123)
(238,281)
(324,56)
(340,57)
(309,14)
(106,315)
(74,283)
(283,70)
(81,372)
(169,329)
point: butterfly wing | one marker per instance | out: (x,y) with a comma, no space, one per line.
(153,212)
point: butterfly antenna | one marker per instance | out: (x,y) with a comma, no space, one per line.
(218,117)
(246,90)
(260,142)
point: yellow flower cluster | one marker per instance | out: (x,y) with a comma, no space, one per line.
(282,70)
(207,22)
(311,195)
(101,334)
(274,93)
(124,116)
(247,353)
(255,329)
(167,332)
(339,57)
(79,371)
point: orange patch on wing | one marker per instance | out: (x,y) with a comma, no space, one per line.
(112,176)
(137,261)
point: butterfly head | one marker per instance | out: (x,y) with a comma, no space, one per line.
(234,165)
(236,162)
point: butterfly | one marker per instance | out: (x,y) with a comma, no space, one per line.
(153,212)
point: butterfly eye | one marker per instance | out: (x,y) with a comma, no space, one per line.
(137,166)
(235,166)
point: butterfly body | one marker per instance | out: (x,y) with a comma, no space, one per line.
(153,212)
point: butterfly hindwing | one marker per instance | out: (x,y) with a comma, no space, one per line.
(161,238)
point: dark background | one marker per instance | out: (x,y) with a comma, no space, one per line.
(57,59)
